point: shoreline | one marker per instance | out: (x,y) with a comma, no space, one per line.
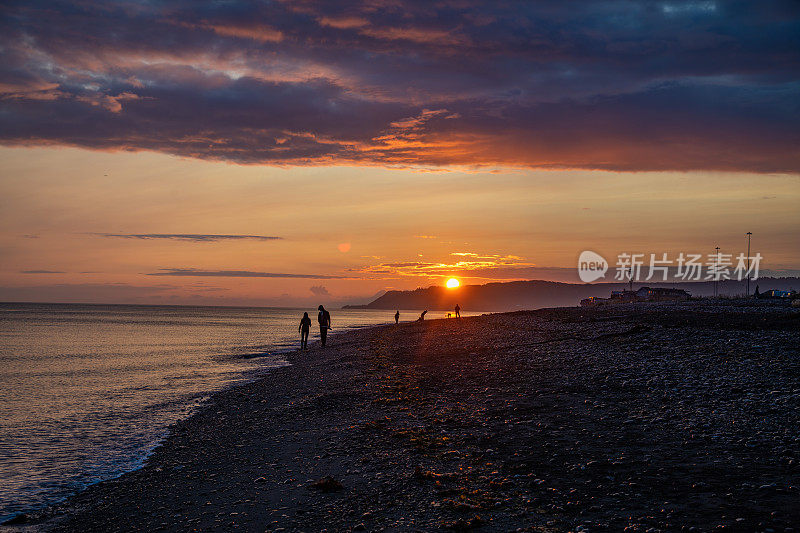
(198,401)
(50,516)
(270,356)
(47,517)
(405,409)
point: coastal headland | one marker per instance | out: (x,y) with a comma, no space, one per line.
(673,417)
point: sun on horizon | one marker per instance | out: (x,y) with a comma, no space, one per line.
(452,283)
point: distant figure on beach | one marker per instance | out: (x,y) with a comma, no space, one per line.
(324,319)
(458,311)
(397,317)
(422,316)
(305,327)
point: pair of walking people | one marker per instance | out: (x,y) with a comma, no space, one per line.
(324,319)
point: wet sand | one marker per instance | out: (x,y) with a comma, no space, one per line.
(640,418)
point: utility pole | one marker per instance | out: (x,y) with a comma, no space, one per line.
(716,273)
(749,234)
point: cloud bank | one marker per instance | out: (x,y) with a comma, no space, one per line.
(192,237)
(238,274)
(624,85)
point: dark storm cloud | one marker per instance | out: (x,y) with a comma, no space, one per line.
(618,85)
(237,274)
(192,237)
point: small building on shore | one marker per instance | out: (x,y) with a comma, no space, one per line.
(645,294)
(661,294)
(595,300)
(775,293)
(623,296)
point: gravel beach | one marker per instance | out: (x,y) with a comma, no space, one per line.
(638,418)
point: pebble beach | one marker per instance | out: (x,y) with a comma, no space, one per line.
(667,417)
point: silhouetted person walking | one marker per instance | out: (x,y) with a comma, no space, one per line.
(458,311)
(324,319)
(397,317)
(305,328)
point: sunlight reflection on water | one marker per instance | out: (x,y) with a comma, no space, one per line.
(89,390)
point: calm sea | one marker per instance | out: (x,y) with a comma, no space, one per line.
(87,391)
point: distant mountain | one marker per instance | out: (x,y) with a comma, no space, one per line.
(358,303)
(537,294)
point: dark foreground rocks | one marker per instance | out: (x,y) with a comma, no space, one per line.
(647,418)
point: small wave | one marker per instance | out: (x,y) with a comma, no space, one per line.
(141,370)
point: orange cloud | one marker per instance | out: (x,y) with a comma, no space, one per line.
(475,266)
(416,35)
(257,33)
(343,23)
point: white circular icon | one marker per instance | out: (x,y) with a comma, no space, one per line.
(591,266)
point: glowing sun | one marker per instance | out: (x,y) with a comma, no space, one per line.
(452,283)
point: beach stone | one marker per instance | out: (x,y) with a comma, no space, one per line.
(327,484)
(22,518)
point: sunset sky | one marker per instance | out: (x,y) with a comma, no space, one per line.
(290,153)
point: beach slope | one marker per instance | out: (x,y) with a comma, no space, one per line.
(651,416)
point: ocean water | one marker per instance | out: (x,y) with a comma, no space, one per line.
(87,391)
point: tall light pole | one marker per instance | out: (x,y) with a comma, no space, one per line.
(630,279)
(716,273)
(749,234)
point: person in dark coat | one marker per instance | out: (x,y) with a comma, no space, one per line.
(305,328)
(324,319)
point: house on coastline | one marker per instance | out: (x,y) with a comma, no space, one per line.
(775,293)
(645,294)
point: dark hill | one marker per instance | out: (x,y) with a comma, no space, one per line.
(537,294)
